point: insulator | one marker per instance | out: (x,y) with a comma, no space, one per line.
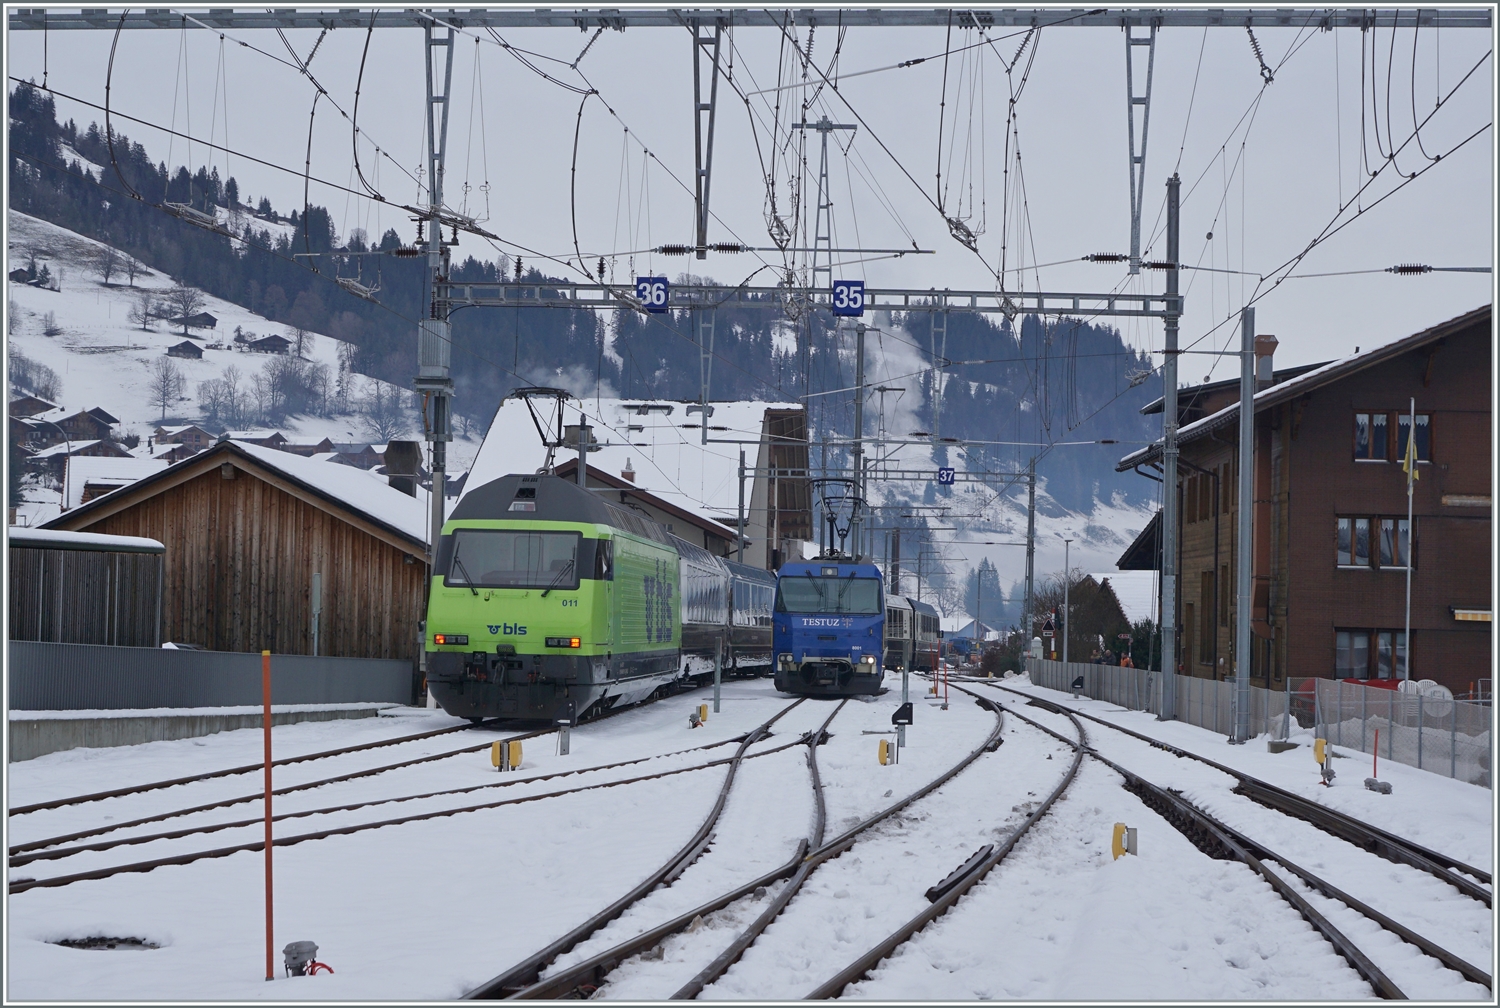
(674,249)
(406,252)
(1160,265)
(1106,257)
(1409,269)
(730,248)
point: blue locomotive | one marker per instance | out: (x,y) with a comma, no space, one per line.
(828,628)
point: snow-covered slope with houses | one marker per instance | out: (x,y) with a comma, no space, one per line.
(103,359)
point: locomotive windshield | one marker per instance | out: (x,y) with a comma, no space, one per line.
(502,558)
(851,596)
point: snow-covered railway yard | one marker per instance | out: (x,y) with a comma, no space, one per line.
(433,908)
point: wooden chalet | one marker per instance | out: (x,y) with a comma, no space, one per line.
(28,406)
(307,449)
(270,344)
(246,527)
(264,438)
(1331,544)
(202,320)
(189,434)
(187,348)
(55,457)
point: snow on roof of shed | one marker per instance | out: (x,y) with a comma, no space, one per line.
(57,539)
(85,469)
(360,490)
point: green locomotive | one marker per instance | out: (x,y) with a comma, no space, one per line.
(548,602)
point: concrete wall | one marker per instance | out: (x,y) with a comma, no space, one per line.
(57,677)
(32,738)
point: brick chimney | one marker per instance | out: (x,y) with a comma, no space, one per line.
(628,473)
(1265,350)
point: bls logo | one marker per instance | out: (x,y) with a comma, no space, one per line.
(508,628)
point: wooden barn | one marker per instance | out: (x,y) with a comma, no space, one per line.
(248,531)
(72,588)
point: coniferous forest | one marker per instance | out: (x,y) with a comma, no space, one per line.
(1028,382)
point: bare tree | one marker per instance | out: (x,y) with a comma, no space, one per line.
(302,341)
(133,268)
(184,301)
(107,262)
(384,415)
(166,384)
(50,326)
(143,310)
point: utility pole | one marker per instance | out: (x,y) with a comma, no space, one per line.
(859,431)
(1067,620)
(1168,708)
(739,549)
(1138,160)
(703,132)
(1030,548)
(895,562)
(434,347)
(823,220)
(1243,552)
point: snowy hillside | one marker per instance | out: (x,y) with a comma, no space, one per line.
(103,358)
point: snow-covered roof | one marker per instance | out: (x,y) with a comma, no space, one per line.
(86,469)
(251,435)
(360,490)
(666,453)
(58,539)
(66,448)
(1136,591)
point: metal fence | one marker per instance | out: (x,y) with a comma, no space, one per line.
(1202,702)
(47,676)
(1449,737)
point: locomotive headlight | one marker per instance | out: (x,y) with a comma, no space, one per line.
(783,659)
(868,659)
(450,638)
(568,642)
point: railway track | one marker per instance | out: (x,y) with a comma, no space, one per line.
(1466,878)
(528,971)
(22,885)
(583,978)
(40,844)
(1314,898)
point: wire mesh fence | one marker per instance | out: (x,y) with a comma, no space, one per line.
(1202,702)
(1445,736)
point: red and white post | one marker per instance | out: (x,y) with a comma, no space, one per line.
(265,695)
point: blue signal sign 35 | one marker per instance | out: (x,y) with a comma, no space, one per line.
(849,298)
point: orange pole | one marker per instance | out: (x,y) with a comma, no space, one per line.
(265,696)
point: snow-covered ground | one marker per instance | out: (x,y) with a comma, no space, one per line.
(427,910)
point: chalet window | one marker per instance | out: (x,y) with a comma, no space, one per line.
(1351,658)
(1362,541)
(1369,654)
(1206,612)
(1424,436)
(1395,542)
(1371,442)
(1390,654)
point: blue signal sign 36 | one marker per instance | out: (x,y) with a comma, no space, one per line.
(652,292)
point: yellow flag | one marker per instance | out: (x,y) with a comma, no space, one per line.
(1409,462)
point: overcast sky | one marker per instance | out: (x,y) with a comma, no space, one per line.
(1264,184)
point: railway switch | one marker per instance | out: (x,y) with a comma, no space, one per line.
(1123,841)
(506,755)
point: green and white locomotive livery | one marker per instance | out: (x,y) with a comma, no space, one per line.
(547,600)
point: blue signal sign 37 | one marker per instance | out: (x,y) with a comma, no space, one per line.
(945,476)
